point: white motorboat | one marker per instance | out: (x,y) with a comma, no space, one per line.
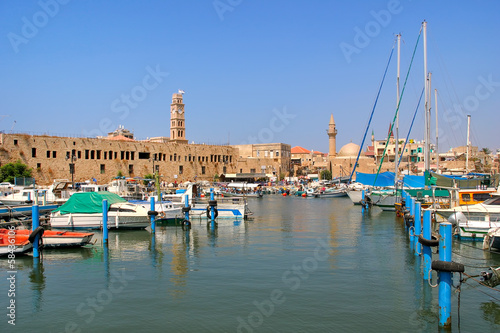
(473,221)
(84,211)
(167,211)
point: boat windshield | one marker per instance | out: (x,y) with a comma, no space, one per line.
(492,202)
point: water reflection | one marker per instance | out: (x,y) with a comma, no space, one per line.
(491,312)
(37,279)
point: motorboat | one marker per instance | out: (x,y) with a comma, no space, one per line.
(55,238)
(167,211)
(83,210)
(330,192)
(127,188)
(12,244)
(473,221)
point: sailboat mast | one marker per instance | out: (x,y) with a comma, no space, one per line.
(396,136)
(429,90)
(426,104)
(468,144)
(437,150)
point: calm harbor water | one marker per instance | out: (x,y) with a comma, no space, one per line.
(301,265)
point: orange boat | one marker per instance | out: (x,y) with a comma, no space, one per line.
(12,243)
(52,238)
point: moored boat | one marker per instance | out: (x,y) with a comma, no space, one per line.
(84,211)
(11,243)
(55,238)
(473,221)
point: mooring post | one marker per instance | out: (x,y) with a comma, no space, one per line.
(152,208)
(363,201)
(105,222)
(426,250)
(186,204)
(412,207)
(444,278)
(411,228)
(44,198)
(212,208)
(418,226)
(35,216)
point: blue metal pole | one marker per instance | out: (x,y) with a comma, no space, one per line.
(212,210)
(445,277)
(105,221)
(153,224)
(363,201)
(426,250)
(412,213)
(418,227)
(186,204)
(35,216)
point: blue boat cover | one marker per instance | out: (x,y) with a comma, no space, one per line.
(414,181)
(384,179)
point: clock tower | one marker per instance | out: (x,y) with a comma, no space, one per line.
(177,121)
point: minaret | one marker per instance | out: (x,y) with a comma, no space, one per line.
(177,121)
(332,133)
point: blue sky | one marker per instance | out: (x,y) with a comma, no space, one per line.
(253,71)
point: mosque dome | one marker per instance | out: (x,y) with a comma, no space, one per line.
(350,150)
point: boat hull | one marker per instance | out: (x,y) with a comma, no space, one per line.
(11,243)
(94,221)
(53,238)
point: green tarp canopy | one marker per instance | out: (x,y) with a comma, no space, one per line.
(88,202)
(421,193)
(444,181)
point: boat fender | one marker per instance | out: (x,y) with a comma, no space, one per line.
(152,213)
(186,209)
(212,203)
(29,202)
(216,213)
(447,266)
(428,242)
(37,231)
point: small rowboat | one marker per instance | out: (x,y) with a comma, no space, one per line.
(52,238)
(11,243)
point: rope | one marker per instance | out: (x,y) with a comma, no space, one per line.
(373,110)
(461,255)
(397,109)
(481,283)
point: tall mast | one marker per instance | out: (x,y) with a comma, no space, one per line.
(396,134)
(468,144)
(428,129)
(426,104)
(437,150)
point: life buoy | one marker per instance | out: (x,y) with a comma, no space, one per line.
(216,213)
(34,233)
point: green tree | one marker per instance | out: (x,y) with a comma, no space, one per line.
(487,151)
(12,170)
(148,178)
(119,174)
(325,175)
